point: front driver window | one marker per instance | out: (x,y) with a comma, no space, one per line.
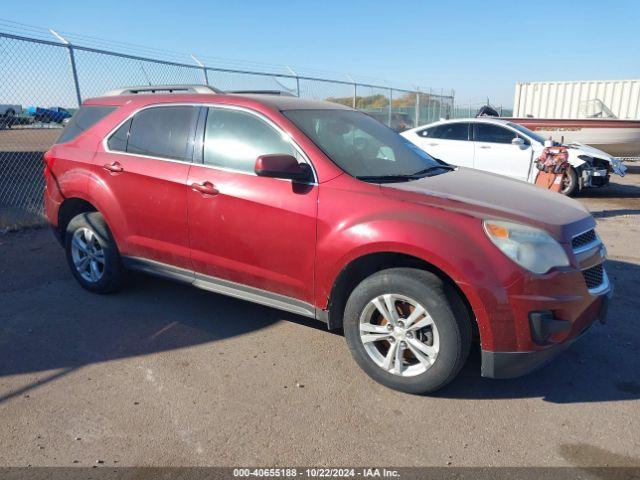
(489,133)
(235,139)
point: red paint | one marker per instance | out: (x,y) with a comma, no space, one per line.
(295,239)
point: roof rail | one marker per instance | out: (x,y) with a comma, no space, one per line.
(263,92)
(162,89)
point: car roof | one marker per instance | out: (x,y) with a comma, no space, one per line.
(277,102)
(498,121)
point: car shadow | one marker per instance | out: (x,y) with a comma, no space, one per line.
(617,188)
(150,315)
(602,366)
(621,212)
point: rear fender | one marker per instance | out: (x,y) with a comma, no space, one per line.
(110,207)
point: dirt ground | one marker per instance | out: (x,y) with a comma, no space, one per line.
(164,374)
(28,139)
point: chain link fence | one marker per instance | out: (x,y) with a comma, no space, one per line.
(44,82)
(470,109)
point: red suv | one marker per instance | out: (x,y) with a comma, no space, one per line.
(320,210)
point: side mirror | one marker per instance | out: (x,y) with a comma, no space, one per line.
(282,166)
(518,141)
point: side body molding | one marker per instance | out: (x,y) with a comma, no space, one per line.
(223,287)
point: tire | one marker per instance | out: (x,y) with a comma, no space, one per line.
(92,254)
(571,179)
(447,337)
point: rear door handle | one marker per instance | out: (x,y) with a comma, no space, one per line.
(114,167)
(485,146)
(432,144)
(206,188)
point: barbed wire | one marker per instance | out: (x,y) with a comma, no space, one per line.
(90,41)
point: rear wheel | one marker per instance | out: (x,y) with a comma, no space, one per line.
(92,253)
(402,330)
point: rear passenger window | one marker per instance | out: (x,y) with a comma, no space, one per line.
(447,131)
(84,119)
(235,139)
(165,132)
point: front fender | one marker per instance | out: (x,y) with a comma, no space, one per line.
(454,244)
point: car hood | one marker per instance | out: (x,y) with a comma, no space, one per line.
(485,195)
(576,149)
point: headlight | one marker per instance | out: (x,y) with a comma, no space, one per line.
(531,248)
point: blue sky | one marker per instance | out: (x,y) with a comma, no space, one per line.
(478,48)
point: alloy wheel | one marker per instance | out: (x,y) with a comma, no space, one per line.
(87,255)
(399,335)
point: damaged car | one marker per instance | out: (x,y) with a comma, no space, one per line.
(506,148)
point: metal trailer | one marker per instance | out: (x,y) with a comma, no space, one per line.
(580,99)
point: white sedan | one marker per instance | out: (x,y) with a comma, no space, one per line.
(509,149)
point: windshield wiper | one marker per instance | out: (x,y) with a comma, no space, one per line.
(386,178)
(432,168)
(403,177)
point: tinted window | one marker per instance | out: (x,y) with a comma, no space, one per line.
(486,132)
(163,132)
(360,145)
(84,118)
(234,139)
(118,141)
(448,131)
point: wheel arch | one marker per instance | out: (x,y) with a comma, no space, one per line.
(69,208)
(364,266)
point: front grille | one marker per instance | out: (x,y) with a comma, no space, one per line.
(583,239)
(594,276)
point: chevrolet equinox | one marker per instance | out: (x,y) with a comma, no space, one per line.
(320,210)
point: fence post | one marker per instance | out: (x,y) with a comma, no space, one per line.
(390,106)
(72,59)
(417,107)
(297,79)
(355,89)
(204,69)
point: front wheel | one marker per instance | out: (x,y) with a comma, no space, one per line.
(569,182)
(404,331)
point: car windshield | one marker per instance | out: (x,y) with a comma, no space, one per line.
(363,147)
(531,134)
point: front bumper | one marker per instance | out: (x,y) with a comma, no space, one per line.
(595,177)
(516,364)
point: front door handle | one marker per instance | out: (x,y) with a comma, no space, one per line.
(432,144)
(114,167)
(206,188)
(485,146)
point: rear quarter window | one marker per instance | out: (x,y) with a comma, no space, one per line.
(85,118)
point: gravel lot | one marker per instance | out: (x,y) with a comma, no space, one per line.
(164,374)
